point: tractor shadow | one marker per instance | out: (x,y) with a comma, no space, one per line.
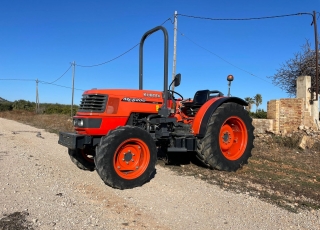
(178,159)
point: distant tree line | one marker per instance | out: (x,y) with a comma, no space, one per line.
(257,101)
(45,108)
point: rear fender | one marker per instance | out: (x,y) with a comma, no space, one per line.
(199,126)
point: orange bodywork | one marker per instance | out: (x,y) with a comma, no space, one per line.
(121,103)
(197,119)
(200,115)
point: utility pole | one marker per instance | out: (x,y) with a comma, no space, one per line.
(73,73)
(314,22)
(37,97)
(174,47)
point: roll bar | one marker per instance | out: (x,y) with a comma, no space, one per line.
(165,68)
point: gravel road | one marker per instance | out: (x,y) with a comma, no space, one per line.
(42,189)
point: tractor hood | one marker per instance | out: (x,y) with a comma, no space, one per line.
(131,93)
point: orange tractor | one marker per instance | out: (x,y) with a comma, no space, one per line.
(119,132)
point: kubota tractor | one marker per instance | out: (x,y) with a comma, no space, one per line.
(119,132)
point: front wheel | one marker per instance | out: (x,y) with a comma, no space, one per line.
(83,158)
(228,140)
(126,157)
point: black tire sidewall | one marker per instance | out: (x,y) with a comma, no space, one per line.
(231,110)
(105,157)
(80,161)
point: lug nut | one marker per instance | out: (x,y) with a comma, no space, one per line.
(118,167)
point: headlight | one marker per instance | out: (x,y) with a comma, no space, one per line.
(80,122)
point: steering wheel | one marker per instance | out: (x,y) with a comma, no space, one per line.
(174,92)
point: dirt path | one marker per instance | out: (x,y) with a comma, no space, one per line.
(42,189)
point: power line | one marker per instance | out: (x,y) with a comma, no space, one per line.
(110,59)
(48,83)
(11,79)
(43,82)
(169,19)
(245,19)
(62,75)
(222,58)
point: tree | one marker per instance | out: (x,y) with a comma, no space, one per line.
(257,100)
(303,63)
(250,101)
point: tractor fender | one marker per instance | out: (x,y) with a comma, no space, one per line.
(199,126)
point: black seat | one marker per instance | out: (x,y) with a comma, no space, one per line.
(200,97)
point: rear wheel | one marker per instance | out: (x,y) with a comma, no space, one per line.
(82,158)
(126,157)
(228,140)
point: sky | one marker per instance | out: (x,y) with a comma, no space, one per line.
(39,39)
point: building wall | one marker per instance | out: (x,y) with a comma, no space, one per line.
(291,114)
(273,111)
(288,114)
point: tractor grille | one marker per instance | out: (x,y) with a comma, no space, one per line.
(93,103)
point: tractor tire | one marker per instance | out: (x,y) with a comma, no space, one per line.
(126,157)
(80,158)
(228,140)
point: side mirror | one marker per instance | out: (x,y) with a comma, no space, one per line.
(177,80)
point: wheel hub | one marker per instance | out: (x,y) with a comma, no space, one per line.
(127,156)
(226,137)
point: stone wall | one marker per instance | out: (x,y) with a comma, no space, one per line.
(273,111)
(288,114)
(262,125)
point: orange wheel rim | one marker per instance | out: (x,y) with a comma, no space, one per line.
(131,158)
(233,138)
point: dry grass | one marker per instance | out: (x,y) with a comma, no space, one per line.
(52,123)
(278,171)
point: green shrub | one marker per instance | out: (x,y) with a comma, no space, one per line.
(46,108)
(261,114)
(24,105)
(6,106)
(58,109)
